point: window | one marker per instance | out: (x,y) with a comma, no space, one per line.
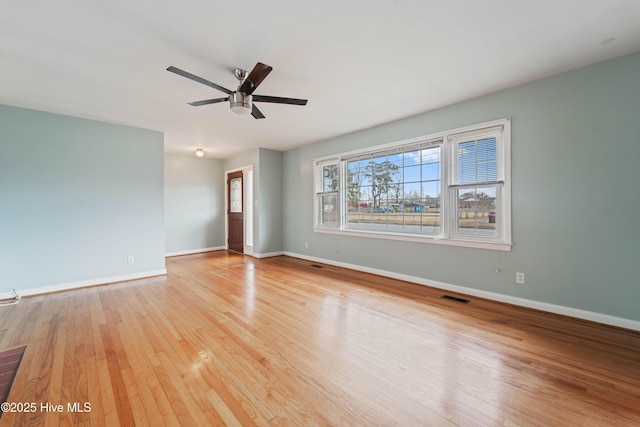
(450,188)
(327,184)
(396,190)
(477,184)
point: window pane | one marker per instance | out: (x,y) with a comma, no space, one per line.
(477,161)
(359,214)
(431,171)
(328,209)
(431,155)
(354,186)
(330,178)
(357,172)
(411,158)
(235,195)
(431,216)
(364,199)
(395,159)
(477,211)
(411,173)
(384,177)
(412,191)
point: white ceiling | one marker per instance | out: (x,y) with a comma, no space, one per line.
(360,63)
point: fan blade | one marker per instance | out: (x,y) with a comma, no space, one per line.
(195,78)
(256,76)
(279,100)
(208,101)
(256,113)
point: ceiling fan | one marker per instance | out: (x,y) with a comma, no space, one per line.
(241,100)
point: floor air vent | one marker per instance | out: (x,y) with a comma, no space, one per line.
(456,299)
(316,266)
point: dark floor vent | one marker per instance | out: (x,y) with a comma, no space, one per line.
(316,266)
(456,299)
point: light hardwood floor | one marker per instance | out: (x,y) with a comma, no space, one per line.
(227,339)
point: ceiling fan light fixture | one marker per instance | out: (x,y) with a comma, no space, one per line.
(199,152)
(240,100)
(240,103)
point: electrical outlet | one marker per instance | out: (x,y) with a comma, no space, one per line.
(520,278)
(306,245)
(130,259)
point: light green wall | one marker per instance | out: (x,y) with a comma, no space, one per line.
(270,204)
(248,158)
(77,197)
(193,203)
(575,174)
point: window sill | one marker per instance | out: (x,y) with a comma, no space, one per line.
(476,244)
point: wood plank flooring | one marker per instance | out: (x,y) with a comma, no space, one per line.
(225,339)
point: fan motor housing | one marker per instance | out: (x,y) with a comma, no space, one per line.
(240,103)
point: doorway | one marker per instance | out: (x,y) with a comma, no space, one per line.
(235,212)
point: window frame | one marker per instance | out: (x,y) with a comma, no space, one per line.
(449,144)
(320,193)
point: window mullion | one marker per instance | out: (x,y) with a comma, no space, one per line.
(343,204)
(447,165)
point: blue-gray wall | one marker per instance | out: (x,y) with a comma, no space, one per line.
(193,203)
(271,200)
(575,175)
(77,197)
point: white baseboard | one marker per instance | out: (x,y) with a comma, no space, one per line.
(194,251)
(268,254)
(522,302)
(91,282)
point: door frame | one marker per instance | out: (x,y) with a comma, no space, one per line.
(248,201)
